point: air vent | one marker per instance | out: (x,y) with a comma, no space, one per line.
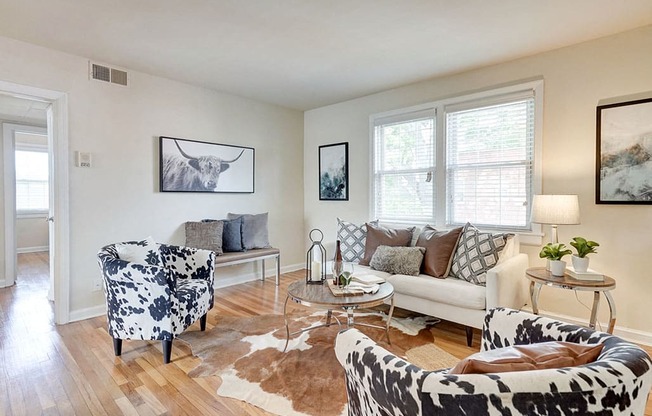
(104,73)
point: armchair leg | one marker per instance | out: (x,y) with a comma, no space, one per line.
(167,351)
(202,322)
(117,346)
(469,336)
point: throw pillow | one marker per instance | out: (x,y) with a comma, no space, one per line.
(231,235)
(476,253)
(142,252)
(254,230)
(540,356)
(398,260)
(439,247)
(205,235)
(352,238)
(377,235)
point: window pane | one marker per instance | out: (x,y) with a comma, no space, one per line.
(490,154)
(404,196)
(31,181)
(404,169)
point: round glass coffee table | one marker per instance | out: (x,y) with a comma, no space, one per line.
(320,297)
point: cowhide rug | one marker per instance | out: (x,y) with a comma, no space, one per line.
(247,354)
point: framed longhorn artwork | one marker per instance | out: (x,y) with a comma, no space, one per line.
(194,166)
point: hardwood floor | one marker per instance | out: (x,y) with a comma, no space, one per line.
(70,369)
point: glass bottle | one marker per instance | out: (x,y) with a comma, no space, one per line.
(337,263)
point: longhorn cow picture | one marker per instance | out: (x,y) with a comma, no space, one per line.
(193,166)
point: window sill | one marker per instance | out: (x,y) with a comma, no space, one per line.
(25,215)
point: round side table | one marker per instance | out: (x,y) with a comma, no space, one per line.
(539,277)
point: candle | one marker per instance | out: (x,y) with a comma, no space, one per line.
(315,271)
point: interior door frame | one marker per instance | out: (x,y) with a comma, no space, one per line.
(58,147)
(9,131)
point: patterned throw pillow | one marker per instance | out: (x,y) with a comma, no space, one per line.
(398,260)
(476,253)
(352,238)
(142,252)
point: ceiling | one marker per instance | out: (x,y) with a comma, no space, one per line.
(305,54)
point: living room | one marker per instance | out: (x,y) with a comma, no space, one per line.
(118,198)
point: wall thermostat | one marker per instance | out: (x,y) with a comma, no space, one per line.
(83,159)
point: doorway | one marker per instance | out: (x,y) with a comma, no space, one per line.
(55,104)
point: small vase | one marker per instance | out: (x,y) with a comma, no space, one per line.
(580,264)
(557,267)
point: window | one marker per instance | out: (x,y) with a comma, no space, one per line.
(467,159)
(32,181)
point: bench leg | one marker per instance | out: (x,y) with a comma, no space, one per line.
(263,276)
(278,269)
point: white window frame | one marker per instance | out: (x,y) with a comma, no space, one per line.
(478,99)
(31,213)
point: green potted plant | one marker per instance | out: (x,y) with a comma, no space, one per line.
(583,247)
(554,252)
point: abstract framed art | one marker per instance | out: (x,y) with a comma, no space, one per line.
(624,153)
(334,172)
(194,166)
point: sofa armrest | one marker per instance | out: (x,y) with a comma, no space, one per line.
(188,262)
(377,381)
(506,283)
(504,327)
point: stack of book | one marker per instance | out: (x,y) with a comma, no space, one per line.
(359,285)
(587,275)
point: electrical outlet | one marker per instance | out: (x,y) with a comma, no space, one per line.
(97,285)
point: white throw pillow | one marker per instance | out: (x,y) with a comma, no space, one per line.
(142,252)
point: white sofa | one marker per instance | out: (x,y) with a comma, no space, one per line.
(459,301)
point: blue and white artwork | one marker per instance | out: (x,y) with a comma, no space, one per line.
(334,172)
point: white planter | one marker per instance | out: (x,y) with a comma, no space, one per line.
(580,264)
(557,267)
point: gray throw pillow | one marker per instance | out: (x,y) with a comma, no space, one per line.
(476,253)
(398,260)
(254,230)
(205,235)
(231,235)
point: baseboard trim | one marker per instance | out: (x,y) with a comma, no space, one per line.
(32,249)
(629,334)
(87,313)
(250,277)
(99,310)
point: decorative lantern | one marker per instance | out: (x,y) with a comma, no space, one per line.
(316,259)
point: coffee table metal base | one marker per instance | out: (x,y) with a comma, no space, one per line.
(350,321)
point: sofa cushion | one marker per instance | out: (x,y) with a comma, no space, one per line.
(352,238)
(398,260)
(205,235)
(439,246)
(476,253)
(449,291)
(541,356)
(142,252)
(254,230)
(377,235)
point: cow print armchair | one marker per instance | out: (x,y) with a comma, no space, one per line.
(158,294)
(617,383)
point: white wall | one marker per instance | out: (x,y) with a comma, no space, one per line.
(118,198)
(577,79)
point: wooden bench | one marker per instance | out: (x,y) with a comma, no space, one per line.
(230,259)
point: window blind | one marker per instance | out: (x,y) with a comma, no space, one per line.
(32,188)
(404,164)
(489,163)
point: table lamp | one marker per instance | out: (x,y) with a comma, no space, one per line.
(555,210)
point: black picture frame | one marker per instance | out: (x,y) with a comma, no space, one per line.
(623,173)
(334,172)
(194,166)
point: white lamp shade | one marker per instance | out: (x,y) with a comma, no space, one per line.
(556,209)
